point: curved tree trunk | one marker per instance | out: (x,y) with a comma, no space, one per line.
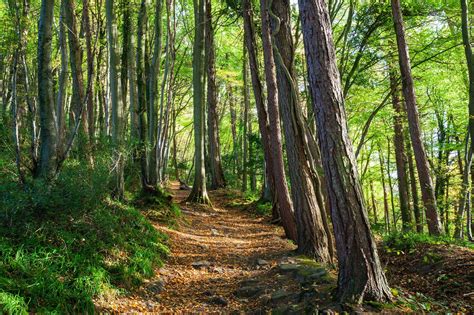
(361,275)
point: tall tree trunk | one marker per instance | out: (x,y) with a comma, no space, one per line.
(385,194)
(468,50)
(62,80)
(75,58)
(90,71)
(413,187)
(141,92)
(400,156)
(118,180)
(233,127)
(426,183)
(361,275)
(47,163)
(464,193)
(281,188)
(246,93)
(250,42)
(215,167)
(199,191)
(312,237)
(153,76)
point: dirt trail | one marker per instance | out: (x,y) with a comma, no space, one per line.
(212,252)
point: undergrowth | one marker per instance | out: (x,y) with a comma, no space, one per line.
(408,241)
(64,245)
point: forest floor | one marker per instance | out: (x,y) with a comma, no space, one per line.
(226,260)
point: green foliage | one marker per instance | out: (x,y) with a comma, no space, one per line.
(263,208)
(407,242)
(63,245)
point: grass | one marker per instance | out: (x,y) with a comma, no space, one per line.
(65,245)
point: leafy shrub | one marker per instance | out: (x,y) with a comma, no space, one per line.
(63,245)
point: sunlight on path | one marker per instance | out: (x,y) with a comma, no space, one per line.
(212,252)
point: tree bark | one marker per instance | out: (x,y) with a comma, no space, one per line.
(282,194)
(400,156)
(217,173)
(153,75)
(361,274)
(250,42)
(199,191)
(312,237)
(47,163)
(141,92)
(118,178)
(426,183)
(75,59)
(246,94)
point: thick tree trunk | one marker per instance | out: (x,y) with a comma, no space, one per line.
(312,237)
(361,274)
(217,174)
(199,191)
(47,164)
(426,183)
(400,156)
(282,194)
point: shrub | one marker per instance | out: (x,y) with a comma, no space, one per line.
(65,244)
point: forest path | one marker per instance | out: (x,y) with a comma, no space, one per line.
(222,259)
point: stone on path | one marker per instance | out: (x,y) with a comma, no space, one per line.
(200,264)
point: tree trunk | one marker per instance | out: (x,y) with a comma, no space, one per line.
(361,275)
(90,71)
(413,187)
(400,156)
(47,163)
(75,58)
(250,42)
(312,237)
(246,93)
(385,195)
(199,191)
(217,174)
(62,80)
(426,183)
(153,76)
(118,178)
(464,194)
(141,92)
(282,194)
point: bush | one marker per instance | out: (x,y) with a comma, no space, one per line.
(63,245)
